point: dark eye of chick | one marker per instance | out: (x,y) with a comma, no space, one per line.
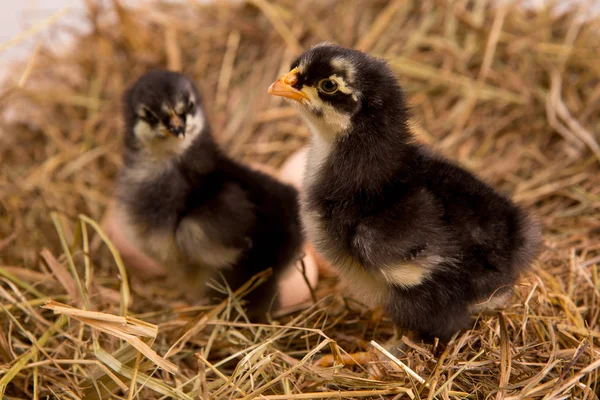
(327,86)
(149,117)
(190,108)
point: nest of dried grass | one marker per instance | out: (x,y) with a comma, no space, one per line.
(512,94)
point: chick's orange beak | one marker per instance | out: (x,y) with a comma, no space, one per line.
(176,125)
(175,120)
(283,87)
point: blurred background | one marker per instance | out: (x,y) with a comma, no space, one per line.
(17,17)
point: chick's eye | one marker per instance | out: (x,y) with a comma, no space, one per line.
(149,118)
(328,86)
(190,107)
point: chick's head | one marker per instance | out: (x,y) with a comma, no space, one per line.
(163,113)
(337,88)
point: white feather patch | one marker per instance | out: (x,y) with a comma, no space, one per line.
(195,243)
(343,64)
(180,107)
(405,274)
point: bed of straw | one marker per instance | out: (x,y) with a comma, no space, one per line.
(513,94)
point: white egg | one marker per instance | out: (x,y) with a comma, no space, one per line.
(292,170)
(265,169)
(293,286)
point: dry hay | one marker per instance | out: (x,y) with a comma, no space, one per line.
(512,94)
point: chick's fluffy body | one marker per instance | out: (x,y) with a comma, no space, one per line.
(202,214)
(408,229)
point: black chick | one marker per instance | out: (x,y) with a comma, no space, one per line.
(408,229)
(190,207)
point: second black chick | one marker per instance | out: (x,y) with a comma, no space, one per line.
(193,209)
(408,230)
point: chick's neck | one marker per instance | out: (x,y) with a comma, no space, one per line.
(372,152)
(197,159)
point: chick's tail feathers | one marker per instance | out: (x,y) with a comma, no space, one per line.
(530,235)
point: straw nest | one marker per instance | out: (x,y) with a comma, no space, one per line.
(512,94)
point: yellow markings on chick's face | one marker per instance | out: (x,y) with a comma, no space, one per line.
(194,124)
(323,118)
(344,87)
(179,107)
(143,131)
(342,64)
